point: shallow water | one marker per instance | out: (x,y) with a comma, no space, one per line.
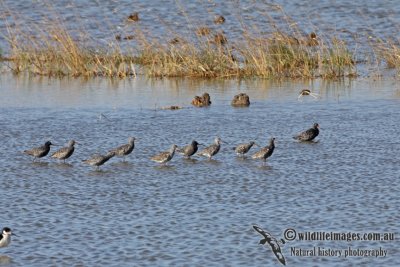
(196,212)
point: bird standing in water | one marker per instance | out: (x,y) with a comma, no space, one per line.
(65,152)
(166,156)
(309,134)
(98,160)
(243,148)
(126,149)
(211,150)
(265,152)
(39,152)
(189,150)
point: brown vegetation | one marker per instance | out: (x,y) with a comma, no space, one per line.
(55,52)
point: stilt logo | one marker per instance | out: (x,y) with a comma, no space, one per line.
(272,242)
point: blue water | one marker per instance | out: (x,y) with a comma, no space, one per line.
(359,23)
(196,212)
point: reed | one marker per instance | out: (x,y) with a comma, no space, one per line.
(54,50)
(56,53)
(187,59)
(388,51)
(280,56)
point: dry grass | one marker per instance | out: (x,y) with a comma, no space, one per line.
(389,52)
(277,57)
(187,59)
(56,53)
(52,51)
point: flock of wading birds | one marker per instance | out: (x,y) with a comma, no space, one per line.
(163,157)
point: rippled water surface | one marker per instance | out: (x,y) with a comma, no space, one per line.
(196,212)
(355,21)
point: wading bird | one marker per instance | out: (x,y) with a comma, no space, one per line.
(98,160)
(126,149)
(266,151)
(309,134)
(65,152)
(166,156)
(212,149)
(39,152)
(243,148)
(189,150)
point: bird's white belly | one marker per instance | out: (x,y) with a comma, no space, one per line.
(4,242)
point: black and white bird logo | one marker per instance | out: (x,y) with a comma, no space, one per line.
(273,242)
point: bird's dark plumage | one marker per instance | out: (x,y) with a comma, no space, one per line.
(189,150)
(39,152)
(309,134)
(273,242)
(265,152)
